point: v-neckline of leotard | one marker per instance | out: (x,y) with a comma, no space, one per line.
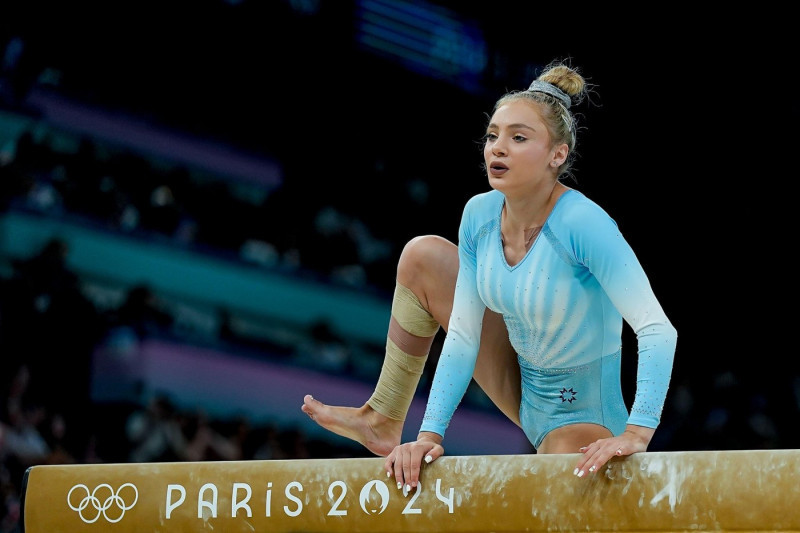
(528,252)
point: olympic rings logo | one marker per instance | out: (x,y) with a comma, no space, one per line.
(93,498)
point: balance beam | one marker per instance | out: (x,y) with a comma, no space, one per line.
(752,490)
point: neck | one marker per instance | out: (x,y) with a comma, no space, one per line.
(530,212)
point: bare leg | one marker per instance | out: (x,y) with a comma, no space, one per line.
(497,369)
(428,266)
(569,439)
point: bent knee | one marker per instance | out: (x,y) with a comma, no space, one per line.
(427,246)
(427,253)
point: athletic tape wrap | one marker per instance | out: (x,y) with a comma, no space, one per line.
(401,371)
(397,383)
(410,314)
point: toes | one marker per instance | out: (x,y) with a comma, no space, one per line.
(311,401)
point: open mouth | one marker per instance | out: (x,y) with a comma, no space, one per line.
(497,168)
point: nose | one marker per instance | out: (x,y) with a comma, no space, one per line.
(499,147)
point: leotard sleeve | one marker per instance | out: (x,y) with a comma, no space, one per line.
(600,246)
(460,348)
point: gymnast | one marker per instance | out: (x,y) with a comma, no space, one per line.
(532,299)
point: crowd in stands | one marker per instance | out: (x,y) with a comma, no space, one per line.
(50,327)
(126,192)
(49,330)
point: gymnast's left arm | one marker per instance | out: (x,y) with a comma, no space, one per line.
(615,265)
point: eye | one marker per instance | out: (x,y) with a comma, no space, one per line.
(519,138)
(489,137)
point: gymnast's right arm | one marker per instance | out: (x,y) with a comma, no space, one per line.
(453,372)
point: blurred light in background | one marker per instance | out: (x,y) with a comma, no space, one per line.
(427,39)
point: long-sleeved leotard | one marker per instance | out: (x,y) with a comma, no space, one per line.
(564,305)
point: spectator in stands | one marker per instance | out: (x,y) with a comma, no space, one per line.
(143,312)
(155,433)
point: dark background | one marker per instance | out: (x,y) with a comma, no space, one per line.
(675,143)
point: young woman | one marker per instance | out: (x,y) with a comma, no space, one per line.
(533,299)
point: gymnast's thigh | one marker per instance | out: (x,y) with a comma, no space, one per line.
(497,368)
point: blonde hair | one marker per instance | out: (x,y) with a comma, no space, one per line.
(560,121)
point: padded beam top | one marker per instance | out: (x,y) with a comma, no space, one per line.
(747,490)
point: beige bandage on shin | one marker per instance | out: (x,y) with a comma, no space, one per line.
(411,332)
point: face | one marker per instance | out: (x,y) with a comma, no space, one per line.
(517,150)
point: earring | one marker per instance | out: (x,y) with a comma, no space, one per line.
(553,163)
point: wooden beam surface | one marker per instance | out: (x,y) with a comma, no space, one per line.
(743,490)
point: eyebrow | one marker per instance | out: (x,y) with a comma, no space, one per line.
(514,126)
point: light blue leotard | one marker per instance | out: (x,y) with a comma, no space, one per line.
(564,305)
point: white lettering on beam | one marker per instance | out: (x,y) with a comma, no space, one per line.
(373,499)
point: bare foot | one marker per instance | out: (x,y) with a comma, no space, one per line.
(378,433)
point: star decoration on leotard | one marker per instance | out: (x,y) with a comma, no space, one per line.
(568,395)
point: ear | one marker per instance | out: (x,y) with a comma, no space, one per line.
(560,154)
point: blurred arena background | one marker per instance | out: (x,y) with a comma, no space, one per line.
(202,204)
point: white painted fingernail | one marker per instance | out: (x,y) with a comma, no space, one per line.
(592,468)
(388,474)
(428,458)
(575,472)
(399,485)
(408,488)
(581,473)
